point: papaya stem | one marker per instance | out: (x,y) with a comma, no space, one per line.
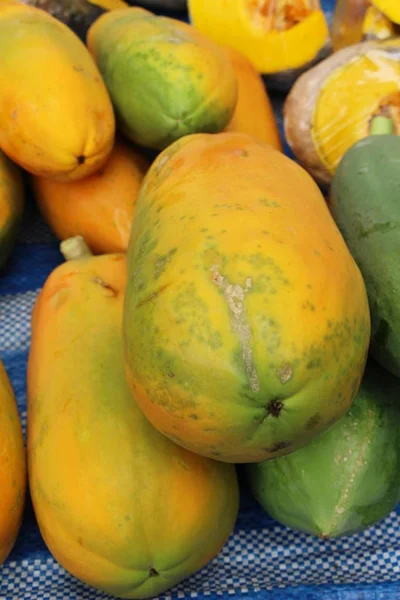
(75,248)
(381,126)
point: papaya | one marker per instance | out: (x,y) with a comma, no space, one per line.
(99,207)
(246,320)
(56,118)
(253,114)
(166,79)
(390,8)
(11,206)
(282,38)
(77,14)
(119,506)
(319,134)
(346,479)
(364,203)
(12,467)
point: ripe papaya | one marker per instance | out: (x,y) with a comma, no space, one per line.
(253,113)
(246,320)
(367,174)
(99,207)
(120,506)
(317,132)
(56,118)
(346,479)
(282,39)
(12,467)
(77,14)
(166,79)
(11,205)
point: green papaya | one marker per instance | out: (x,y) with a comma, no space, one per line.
(365,205)
(166,79)
(346,479)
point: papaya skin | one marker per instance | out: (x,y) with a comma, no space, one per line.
(166,79)
(253,113)
(120,507)
(11,206)
(12,467)
(318,135)
(246,320)
(99,207)
(56,118)
(244,25)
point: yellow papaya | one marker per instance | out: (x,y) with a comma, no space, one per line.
(165,78)
(120,506)
(77,14)
(318,133)
(253,113)
(56,118)
(282,38)
(11,205)
(99,207)
(246,320)
(12,467)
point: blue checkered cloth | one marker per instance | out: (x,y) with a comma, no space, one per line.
(262,560)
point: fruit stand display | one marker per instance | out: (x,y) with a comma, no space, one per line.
(199,300)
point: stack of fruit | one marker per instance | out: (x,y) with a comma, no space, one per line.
(212,309)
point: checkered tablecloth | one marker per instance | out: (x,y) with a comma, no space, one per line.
(262,560)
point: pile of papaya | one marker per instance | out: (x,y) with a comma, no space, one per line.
(221,307)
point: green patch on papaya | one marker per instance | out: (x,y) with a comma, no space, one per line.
(162,261)
(270,203)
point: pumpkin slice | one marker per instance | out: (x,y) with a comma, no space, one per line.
(323,116)
(282,38)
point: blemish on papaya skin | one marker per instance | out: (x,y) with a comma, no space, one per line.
(81,159)
(285,373)
(153,295)
(234,295)
(313,421)
(278,446)
(153,572)
(106,286)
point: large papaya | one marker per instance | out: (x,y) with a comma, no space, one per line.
(56,118)
(11,205)
(99,207)
(12,467)
(346,479)
(253,114)
(365,204)
(166,79)
(119,505)
(246,319)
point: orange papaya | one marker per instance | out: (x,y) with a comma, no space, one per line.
(56,118)
(253,113)
(246,319)
(12,467)
(120,506)
(11,205)
(99,207)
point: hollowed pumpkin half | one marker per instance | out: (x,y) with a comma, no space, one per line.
(331,106)
(278,36)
